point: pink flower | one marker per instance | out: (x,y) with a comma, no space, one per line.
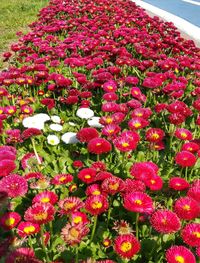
(14,185)
(179,254)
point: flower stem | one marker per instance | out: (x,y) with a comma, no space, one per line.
(35,151)
(42,243)
(136,225)
(76,258)
(30,242)
(94,228)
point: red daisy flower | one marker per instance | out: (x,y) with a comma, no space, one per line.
(27,228)
(111,129)
(22,255)
(9,220)
(191,234)
(186,208)
(183,134)
(93,189)
(14,185)
(87,175)
(137,123)
(87,134)
(62,179)
(190,147)
(132,185)
(73,234)
(99,166)
(126,246)
(45,197)
(131,135)
(138,202)
(40,213)
(70,204)
(142,171)
(154,183)
(144,113)
(179,254)
(110,86)
(6,167)
(154,135)
(78,164)
(194,192)
(178,184)
(78,218)
(103,175)
(165,221)
(185,159)
(29,161)
(124,144)
(96,204)
(113,185)
(99,146)
(30,132)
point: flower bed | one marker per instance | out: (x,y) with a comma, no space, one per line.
(99,124)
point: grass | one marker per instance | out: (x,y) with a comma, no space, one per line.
(15,15)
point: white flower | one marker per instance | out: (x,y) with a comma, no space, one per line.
(42,116)
(85,113)
(56,127)
(53,140)
(69,137)
(33,122)
(56,119)
(94,122)
(71,123)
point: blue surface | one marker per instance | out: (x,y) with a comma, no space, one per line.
(187,11)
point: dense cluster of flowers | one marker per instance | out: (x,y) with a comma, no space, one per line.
(100,144)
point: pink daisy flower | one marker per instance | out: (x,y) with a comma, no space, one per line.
(187,208)
(96,204)
(185,159)
(138,202)
(191,234)
(70,204)
(179,254)
(178,184)
(126,246)
(14,185)
(165,221)
(45,197)
(9,220)
(27,228)
(99,146)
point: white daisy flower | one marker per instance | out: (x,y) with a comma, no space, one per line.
(56,119)
(85,113)
(33,122)
(69,138)
(94,122)
(42,116)
(56,127)
(53,140)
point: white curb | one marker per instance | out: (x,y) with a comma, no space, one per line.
(192,31)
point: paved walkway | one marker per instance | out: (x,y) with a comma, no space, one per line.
(186,19)
(186,9)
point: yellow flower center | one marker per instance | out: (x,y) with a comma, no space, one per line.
(125,144)
(45,200)
(98,144)
(97,192)
(10,221)
(153,181)
(77,219)
(196,234)
(138,202)
(26,110)
(74,232)
(106,243)
(1,111)
(114,186)
(97,205)
(68,206)
(179,259)
(29,229)
(139,114)
(164,221)
(155,136)
(186,207)
(108,120)
(137,125)
(110,87)
(62,178)
(11,111)
(183,134)
(126,246)
(110,131)
(41,216)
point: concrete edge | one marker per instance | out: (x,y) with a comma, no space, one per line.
(189,30)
